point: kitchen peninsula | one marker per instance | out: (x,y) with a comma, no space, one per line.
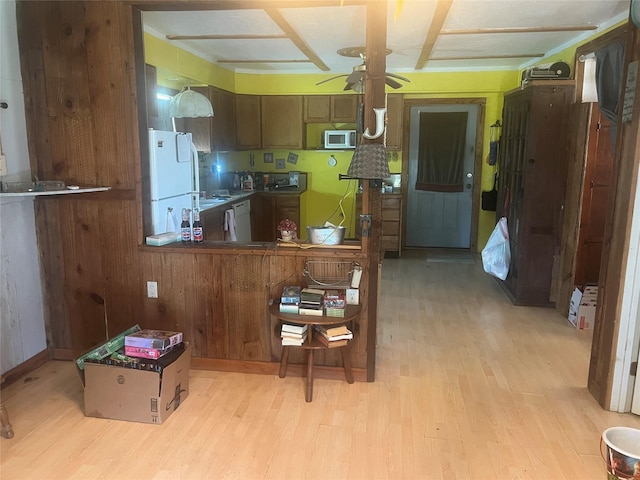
(93,260)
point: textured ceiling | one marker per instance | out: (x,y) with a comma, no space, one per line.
(423,35)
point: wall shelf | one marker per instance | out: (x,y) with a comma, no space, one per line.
(66,191)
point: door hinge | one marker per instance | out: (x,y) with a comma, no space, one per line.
(633,369)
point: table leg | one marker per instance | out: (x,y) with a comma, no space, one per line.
(308,394)
(284,361)
(346,363)
(6,429)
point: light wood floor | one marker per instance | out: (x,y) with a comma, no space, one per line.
(468,387)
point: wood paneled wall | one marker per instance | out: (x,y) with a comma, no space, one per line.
(616,242)
(78,68)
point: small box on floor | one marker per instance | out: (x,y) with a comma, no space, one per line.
(136,394)
(582,309)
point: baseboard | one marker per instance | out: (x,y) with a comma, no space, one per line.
(25,367)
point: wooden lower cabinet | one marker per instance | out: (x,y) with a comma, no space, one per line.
(392,224)
(213,223)
(268,209)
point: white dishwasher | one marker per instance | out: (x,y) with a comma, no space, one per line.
(242,214)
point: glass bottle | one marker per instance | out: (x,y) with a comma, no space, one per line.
(198,233)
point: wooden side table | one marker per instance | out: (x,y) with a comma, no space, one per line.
(312,343)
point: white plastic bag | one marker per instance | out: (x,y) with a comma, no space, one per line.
(496,255)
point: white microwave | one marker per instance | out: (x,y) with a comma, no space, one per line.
(339,139)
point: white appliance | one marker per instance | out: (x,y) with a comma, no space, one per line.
(242,214)
(340,139)
(174,178)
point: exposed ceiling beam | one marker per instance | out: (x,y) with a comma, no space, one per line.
(226,37)
(263,61)
(195,5)
(279,19)
(439,17)
(483,57)
(480,31)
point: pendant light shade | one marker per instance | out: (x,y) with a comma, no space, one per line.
(190,104)
(369,161)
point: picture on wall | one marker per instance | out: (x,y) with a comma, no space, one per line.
(280,163)
(292,158)
(268,157)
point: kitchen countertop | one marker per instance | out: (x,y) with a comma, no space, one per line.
(210,203)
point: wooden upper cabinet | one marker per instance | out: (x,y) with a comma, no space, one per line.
(282,125)
(248,118)
(344,108)
(394,121)
(200,128)
(330,108)
(317,108)
(223,135)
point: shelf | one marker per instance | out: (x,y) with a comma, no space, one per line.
(66,191)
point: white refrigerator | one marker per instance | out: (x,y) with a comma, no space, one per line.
(174,178)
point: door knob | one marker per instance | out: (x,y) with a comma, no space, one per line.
(469,175)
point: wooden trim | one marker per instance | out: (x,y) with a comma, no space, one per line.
(159,5)
(226,37)
(25,367)
(483,57)
(477,181)
(481,31)
(298,41)
(439,17)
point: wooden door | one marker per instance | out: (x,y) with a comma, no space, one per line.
(595,204)
(344,108)
(394,121)
(223,135)
(439,212)
(248,129)
(317,108)
(281,121)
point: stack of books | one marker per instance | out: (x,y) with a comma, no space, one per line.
(333,336)
(334,303)
(311,302)
(151,344)
(290,299)
(293,335)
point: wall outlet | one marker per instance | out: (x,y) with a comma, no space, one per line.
(3,165)
(152,289)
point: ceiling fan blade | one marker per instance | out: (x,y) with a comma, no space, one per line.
(348,86)
(355,77)
(392,83)
(332,78)
(394,75)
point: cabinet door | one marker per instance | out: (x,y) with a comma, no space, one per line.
(200,128)
(213,224)
(394,121)
(282,121)
(344,108)
(223,135)
(263,223)
(288,206)
(248,129)
(151,81)
(317,108)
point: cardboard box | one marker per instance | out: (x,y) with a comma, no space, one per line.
(122,393)
(586,315)
(582,309)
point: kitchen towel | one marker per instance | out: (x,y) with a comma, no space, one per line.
(230,225)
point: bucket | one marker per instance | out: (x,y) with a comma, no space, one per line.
(623,452)
(322,235)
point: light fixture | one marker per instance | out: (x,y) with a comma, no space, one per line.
(369,161)
(190,104)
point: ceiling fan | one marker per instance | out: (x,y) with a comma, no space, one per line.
(355,80)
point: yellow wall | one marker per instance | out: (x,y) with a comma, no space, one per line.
(324,189)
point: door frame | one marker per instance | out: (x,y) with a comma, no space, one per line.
(477,164)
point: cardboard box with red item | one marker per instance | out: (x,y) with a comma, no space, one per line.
(582,310)
(118,392)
